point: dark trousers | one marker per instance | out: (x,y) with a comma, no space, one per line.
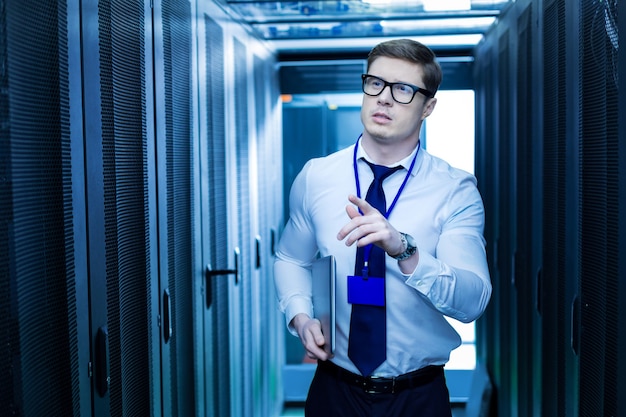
(330,396)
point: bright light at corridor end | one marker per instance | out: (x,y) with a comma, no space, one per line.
(446,5)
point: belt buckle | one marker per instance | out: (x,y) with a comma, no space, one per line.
(369,385)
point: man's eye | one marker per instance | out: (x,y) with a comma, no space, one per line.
(404,89)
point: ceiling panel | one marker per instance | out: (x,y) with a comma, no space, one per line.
(342,20)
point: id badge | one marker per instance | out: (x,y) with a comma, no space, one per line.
(367,291)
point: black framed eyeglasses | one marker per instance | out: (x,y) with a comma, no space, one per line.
(403,93)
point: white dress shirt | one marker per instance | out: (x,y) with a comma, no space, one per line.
(440,207)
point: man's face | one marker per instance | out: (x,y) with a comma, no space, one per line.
(384,119)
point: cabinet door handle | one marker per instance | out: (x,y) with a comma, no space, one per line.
(102,361)
(575,342)
(257,241)
(167,315)
(209,273)
(539,292)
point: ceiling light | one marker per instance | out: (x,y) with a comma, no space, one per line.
(377,2)
(446,5)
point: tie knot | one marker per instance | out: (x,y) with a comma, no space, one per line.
(381,172)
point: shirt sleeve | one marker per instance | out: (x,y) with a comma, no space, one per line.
(296,252)
(456,278)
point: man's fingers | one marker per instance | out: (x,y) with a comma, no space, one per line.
(316,332)
(357,219)
(319,339)
(314,341)
(352,211)
(363,205)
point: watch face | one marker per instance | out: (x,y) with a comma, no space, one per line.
(411,247)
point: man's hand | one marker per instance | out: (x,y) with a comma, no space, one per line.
(310,332)
(369,227)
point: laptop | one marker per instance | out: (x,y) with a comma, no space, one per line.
(324,281)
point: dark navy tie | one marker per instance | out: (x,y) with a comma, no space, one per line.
(367,346)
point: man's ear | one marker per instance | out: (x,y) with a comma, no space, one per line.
(429,107)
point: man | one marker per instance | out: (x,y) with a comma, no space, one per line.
(401,267)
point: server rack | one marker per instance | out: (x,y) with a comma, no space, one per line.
(112,211)
(556,260)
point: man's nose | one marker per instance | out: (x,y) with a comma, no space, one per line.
(386,95)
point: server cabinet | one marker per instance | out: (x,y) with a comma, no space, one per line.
(130,180)
(78,254)
(268,211)
(256,324)
(44,349)
(597,308)
(178,281)
(242,367)
(121,211)
(80,102)
(139,134)
(527,255)
(240,206)
(557,212)
(570,190)
(217,254)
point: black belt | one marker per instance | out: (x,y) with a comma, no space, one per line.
(380,385)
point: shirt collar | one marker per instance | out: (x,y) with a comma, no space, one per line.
(405,162)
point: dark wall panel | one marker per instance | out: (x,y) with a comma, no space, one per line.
(295,145)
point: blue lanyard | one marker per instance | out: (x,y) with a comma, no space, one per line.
(368,248)
(406,178)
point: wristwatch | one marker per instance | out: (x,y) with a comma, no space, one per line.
(411,247)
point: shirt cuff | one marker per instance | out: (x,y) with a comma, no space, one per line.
(425,274)
(296,306)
